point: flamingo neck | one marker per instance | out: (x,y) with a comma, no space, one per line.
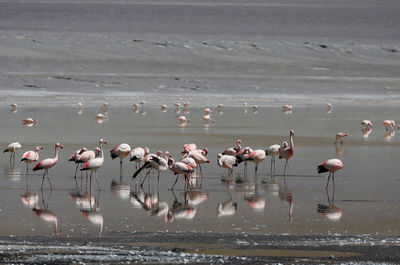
(101,149)
(291,143)
(56,151)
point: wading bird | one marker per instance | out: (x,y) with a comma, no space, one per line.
(31,156)
(48,163)
(331,166)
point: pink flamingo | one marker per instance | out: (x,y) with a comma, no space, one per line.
(366,124)
(273,151)
(340,136)
(199,156)
(227,161)
(75,155)
(179,168)
(121,151)
(138,155)
(95,163)
(331,166)
(233,151)
(256,157)
(12,148)
(31,156)
(287,151)
(154,161)
(48,163)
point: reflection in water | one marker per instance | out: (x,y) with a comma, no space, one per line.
(286,195)
(366,132)
(254,200)
(29,198)
(340,152)
(180,209)
(45,214)
(121,189)
(227,208)
(13,172)
(389,135)
(196,197)
(330,211)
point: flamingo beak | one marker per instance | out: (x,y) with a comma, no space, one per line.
(61,146)
(105,142)
(40,147)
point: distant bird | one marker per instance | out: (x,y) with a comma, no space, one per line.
(331,166)
(255,109)
(100,117)
(48,163)
(164,108)
(389,124)
(121,151)
(180,168)
(227,161)
(14,106)
(287,151)
(366,124)
(273,151)
(208,111)
(31,156)
(183,119)
(29,122)
(256,157)
(340,136)
(12,148)
(95,163)
(138,155)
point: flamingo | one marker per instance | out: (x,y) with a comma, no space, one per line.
(135,107)
(287,108)
(208,111)
(339,137)
(164,108)
(227,161)
(389,124)
(273,151)
(138,155)
(199,156)
(183,119)
(14,107)
(29,122)
(242,156)
(190,147)
(287,151)
(121,151)
(31,156)
(256,157)
(154,161)
(366,124)
(12,148)
(233,151)
(331,166)
(75,155)
(179,168)
(95,163)
(48,163)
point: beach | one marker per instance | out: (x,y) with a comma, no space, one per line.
(56,54)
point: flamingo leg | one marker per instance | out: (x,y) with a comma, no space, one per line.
(120,168)
(145,176)
(90,181)
(51,187)
(284,169)
(76,170)
(327,183)
(333,180)
(176,180)
(95,176)
(43,180)
(255,169)
(27,168)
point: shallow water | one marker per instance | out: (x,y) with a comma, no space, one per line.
(365,196)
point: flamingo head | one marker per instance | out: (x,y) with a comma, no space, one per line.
(239,142)
(205,151)
(170,161)
(284,145)
(291,133)
(168,154)
(219,156)
(97,151)
(102,141)
(159,153)
(146,151)
(38,148)
(59,145)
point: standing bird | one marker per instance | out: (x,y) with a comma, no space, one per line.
(48,163)
(156,162)
(366,124)
(180,168)
(12,148)
(138,155)
(256,157)
(233,151)
(287,151)
(31,156)
(389,124)
(331,166)
(227,161)
(121,151)
(273,151)
(95,163)
(340,136)
(199,156)
(75,156)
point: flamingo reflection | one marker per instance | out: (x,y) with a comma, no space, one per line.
(254,200)
(286,195)
(330,211)
(366,132)
(227,208)
(29,198)
(45,214)
(180,210)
